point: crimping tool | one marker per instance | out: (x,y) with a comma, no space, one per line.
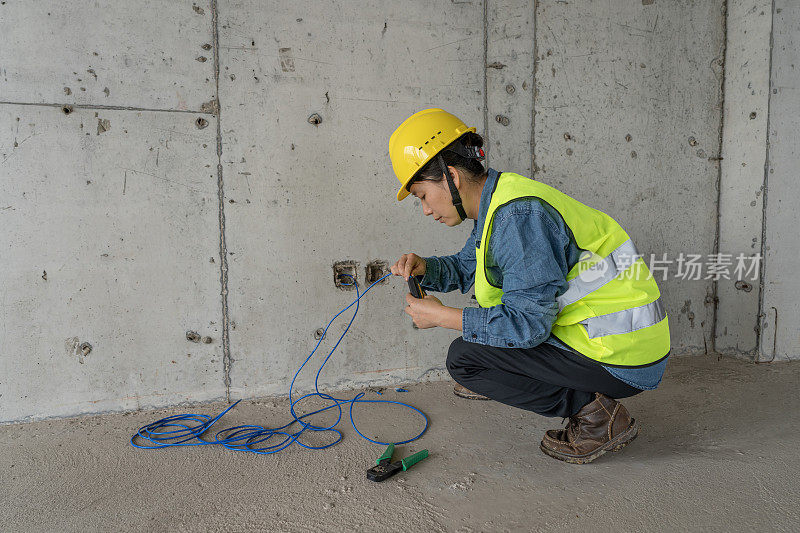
(386,468)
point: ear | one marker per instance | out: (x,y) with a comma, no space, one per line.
(456,176)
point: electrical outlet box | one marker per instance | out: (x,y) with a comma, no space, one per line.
(375,270)
(345,275)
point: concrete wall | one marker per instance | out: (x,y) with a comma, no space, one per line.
(150,187)
(759,198)
(510,60)
(108,208)
(627,120)
(779,310)
(744,148)
(301,196)
(158,204)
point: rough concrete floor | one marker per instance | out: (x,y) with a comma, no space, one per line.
(718,452)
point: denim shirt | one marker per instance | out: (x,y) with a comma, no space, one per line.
(529,255)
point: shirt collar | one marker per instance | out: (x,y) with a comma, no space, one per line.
(486,198)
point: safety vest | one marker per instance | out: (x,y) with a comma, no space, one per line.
(612,310)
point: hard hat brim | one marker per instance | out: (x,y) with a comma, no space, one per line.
(402,193)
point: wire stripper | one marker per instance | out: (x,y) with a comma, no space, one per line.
(385,468)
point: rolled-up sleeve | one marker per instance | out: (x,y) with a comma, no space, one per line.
(528,247)
(451,272)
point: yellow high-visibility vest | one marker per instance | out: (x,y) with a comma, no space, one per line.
(612,310)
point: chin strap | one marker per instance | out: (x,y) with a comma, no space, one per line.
(453,191)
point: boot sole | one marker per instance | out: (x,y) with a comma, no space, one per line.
(614,445)
(473,396)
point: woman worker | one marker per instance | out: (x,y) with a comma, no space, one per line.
(570,319)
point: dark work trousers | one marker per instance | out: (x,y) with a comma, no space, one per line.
(544,379)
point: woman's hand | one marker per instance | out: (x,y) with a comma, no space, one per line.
(409,265)
(426,312)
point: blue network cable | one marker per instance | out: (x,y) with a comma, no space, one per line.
(187,429)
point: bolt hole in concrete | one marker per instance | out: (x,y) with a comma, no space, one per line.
(103,125)
(319,333)
(201,123)
(315,119)
(78,349)
(67,109)
(743,286)
(344,273)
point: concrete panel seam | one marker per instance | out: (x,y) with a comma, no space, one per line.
(109,107)
(533,89)
(486,80)
(223,251)
(715,247)
(37,418)
(763,267)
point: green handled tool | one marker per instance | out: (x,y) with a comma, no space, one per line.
(385,468)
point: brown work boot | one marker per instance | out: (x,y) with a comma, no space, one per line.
(463,392)
(601,425)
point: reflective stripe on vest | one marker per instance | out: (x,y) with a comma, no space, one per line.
(592,278)
(625,321)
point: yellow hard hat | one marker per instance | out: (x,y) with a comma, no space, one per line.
(418,139)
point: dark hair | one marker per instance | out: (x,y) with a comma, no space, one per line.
(472,168)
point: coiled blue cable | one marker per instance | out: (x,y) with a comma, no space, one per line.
(187,429)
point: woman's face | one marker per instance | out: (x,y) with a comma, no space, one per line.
(436,200)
